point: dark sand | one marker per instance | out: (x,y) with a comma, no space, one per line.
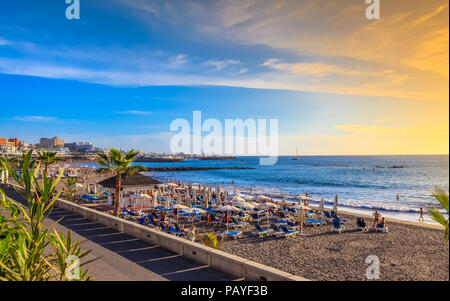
(406,252)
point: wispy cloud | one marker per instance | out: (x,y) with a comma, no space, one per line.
(219,65)
(134,112)
(36,118)
(178,61)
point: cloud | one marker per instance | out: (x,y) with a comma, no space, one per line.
(178,61)
(35,118)
(4,42)
(335,37)
(219,65)
(134,112)
(357,56)
(279,80)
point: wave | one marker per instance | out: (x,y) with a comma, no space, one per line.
(357,166)
(337,184)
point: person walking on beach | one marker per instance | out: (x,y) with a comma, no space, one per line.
(376,218)
(421,219)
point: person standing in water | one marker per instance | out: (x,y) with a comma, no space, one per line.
(398,197)
(421,219)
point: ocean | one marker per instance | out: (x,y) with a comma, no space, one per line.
(362,183)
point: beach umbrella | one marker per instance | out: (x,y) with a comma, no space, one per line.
(194,197)
(179,206)
(205,197)
(263,197)
(301,207)
(244,205)
(193,210)
(86,186)
(219,199)
(245,197)
(283,202)
(227,208)
(321,205)
(268,205)
(238,199)
(335,205)
(187,198)
(155,199)
(168,200)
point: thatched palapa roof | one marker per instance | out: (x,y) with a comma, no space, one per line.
(128,180)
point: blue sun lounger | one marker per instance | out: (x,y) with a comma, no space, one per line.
(235,224)
(314,223)
(292,226)
(337,227)
(287,233)
(275,230)
(234,234)
(260,231)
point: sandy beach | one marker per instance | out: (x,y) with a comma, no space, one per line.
(409,251)
(406,252)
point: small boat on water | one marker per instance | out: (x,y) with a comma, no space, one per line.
(296,156)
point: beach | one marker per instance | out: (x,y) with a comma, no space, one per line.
(409,251)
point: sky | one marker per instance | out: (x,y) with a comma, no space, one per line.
(338,83)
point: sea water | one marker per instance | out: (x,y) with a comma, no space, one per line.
(362,183)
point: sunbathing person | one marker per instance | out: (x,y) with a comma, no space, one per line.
(360,223)
(382,223)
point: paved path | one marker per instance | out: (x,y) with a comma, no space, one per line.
(123,257)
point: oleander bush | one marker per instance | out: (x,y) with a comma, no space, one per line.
(30,251)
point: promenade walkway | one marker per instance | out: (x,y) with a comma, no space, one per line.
(123,257)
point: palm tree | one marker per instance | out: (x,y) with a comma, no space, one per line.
(47,159)
(442,196)
(118,164)
(71,192)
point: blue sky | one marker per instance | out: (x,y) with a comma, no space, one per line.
(126,69)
